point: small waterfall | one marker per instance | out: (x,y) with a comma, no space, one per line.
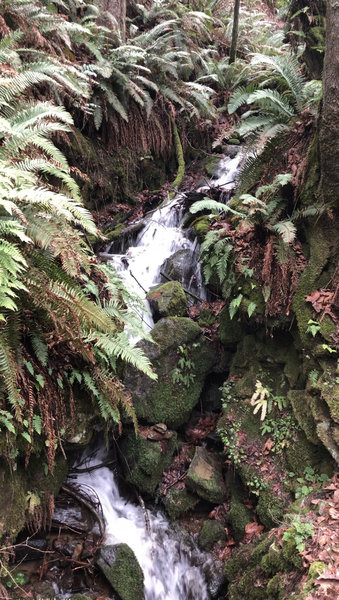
(161,237)
(172,571)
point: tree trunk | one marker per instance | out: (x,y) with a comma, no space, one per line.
(233,50)
(329,122)
(117,8)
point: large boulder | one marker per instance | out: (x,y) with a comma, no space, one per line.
(147,459)
(204,477)
(121,568)
(181,357)
(167,300)
(180,266)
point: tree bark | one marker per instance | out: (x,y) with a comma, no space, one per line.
(329,122)
(235,29)
(117,8)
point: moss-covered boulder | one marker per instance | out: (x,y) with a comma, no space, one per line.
(178,502)
(211,532)
(121,568)
(204,477)
(238,516)
(181,372)
(167,300)
(146,459)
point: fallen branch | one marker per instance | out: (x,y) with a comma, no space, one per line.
(88,504)
(106,463)
(142,504)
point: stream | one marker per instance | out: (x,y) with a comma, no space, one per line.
(172,569)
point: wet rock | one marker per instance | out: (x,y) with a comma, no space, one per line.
(121,568)
(72,517)
(204,477)
(167,300)
(147,459)
(43,590)
(211,532)
(178,502)
(171,399)
(180,266)
(33,550)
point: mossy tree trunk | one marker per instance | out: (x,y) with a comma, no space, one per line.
(235,29)
(117,8)
(329,123)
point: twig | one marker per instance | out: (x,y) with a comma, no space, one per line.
(106,463)
(138,282)
(142,504)
(80,498)
(168,487)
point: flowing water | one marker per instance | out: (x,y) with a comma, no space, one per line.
(172,570)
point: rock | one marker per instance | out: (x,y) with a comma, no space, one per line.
(167,300)
(168,400)
(180,266)
(31,551)
(238,516)
(178,502)
(43,590)
(204,477)
(211,531)
(146,460)
(122,570)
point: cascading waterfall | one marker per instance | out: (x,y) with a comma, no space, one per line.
(172,570)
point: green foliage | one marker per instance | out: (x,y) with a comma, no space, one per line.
(309,481)
(229,438)
(183,373)
(299,533)
(263,400)
(282,430)
(313,327)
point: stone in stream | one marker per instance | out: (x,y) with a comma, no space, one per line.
(204,477)
(121,568)
(147,459)
(211,531)
(170,400)
(180,266)
(167,300)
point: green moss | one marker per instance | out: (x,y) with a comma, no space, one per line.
(247,557)
(211,165)
(301,402)
(167,300)
(289,550)
(201,226)
(275,588)
(146,460)
(211,532)
(316,568)
(270,507)
(167,400)
(321,241)
(122,570)
(204,477)
(238,516)
(179,155)
(273,561)
(230,330)
(178,502)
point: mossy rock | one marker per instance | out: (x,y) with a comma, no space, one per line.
(211,532)
(167,300)
(273,561)
(230,330)
(211,165)
(316,568)
(201,226)
(302,453)
(146,460)
(270,507)
(178,502)
(247,557)
(121,568)
(238,516)
(168,400)
(275,588)
(289,549)
(204,477)
(15,487)
(301,403)
(328,384)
